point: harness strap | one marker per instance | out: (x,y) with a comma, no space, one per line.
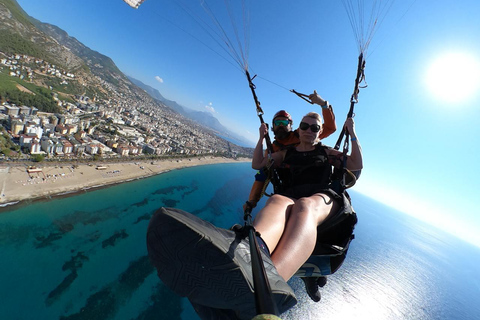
(354,98)
(264,301)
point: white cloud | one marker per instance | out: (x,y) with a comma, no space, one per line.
(210,108)
(159,79)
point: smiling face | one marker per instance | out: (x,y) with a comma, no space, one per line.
(310,129)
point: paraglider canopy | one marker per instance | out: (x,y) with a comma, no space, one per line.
(134,3)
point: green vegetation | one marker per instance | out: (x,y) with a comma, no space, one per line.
(17,12)
(73,87)
(12,43)
(42,99)
(6,144)
(38,158)
(7,82)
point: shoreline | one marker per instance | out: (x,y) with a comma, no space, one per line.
(18,186)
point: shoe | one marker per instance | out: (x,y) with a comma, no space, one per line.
(311,286)
(209,265)
(321,281)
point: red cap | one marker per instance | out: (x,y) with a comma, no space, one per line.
(283,113)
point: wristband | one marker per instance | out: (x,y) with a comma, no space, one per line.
(325,106)
(353,139)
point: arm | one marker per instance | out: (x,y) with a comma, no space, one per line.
(355,159)
(329,125)
(260,159)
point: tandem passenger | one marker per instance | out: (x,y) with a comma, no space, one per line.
(288,222)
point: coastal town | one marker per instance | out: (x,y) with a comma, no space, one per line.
(116,135)
(119,126)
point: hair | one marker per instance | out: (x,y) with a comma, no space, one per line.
(315,116)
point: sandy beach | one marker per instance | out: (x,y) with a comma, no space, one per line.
(17,184)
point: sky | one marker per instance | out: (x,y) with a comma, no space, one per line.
(417,121)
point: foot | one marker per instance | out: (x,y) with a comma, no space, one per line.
(321,281)
(209,265)
(311,287)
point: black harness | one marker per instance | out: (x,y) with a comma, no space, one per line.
(306,173)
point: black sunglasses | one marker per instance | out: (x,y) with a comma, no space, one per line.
(314,127)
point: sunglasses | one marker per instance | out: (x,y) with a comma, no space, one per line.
(314,127)
(281,122)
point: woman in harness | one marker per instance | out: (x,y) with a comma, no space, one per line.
(288,222)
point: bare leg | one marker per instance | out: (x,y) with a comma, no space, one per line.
(299,236)
(271,220)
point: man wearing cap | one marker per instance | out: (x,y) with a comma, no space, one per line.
(285,138)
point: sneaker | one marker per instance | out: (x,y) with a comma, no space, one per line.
(209,265)
(311,286)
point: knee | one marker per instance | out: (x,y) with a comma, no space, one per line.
(305,204)
(309,207)
(277,199)
(312,208)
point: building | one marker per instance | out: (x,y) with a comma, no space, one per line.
(17,126)
(78,147)
(123,150)
(47,145)
(67,147)
(112,144)
(149,149)
(71,128)
(133,150)
(35,147)
(25,110)
(62,129)
(26,140)
(12,110)
(58,146)
(91,148)
(33,130)
(49,129)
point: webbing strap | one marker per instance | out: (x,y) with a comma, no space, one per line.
(354,98)
(264,301)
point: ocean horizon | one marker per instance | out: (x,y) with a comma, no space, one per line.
(83,255)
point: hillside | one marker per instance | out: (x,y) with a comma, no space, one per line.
(41,60)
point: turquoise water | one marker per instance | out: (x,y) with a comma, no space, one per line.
(84,256)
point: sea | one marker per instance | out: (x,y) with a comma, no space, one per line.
(84,256)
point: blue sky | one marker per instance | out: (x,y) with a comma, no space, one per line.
(418,120)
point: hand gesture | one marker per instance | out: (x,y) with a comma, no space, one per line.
(317,99)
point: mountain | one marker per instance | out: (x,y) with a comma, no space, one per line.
(202,117)
(103,79)
(97,76)
(58,65)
